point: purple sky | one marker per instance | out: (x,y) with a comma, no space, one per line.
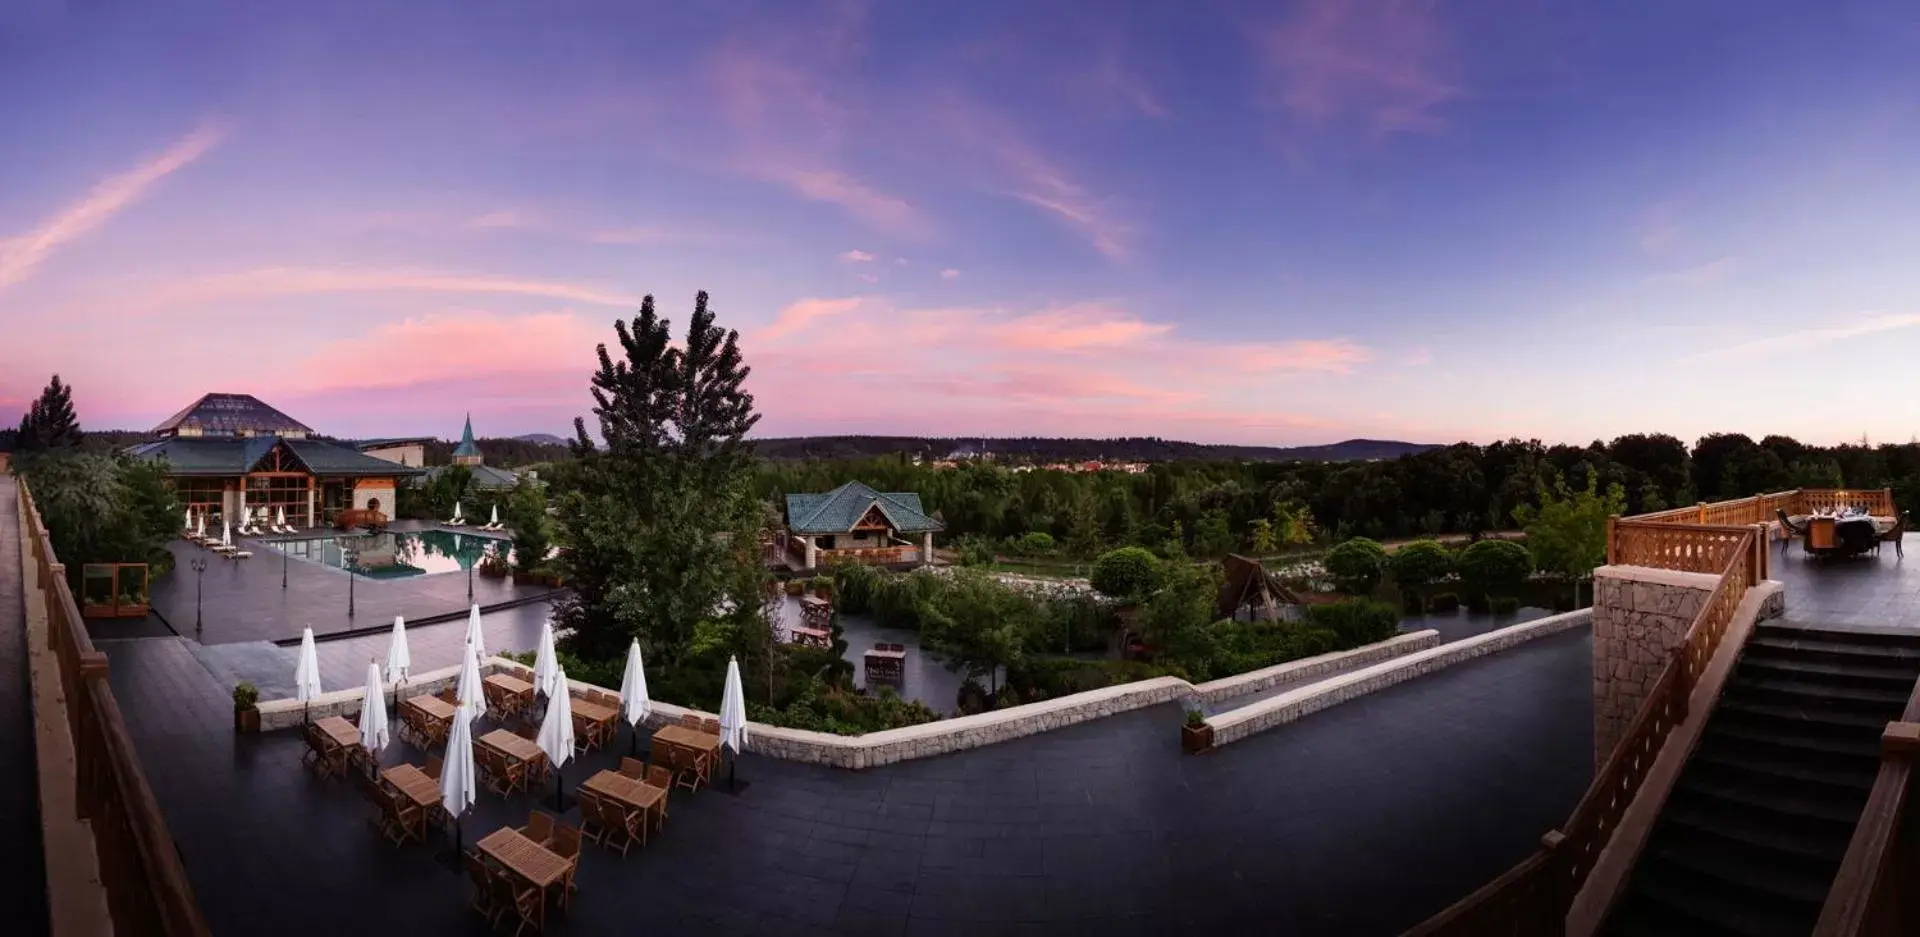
(1219,221)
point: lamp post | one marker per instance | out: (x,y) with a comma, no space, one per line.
(346,559)
(199,567)
(284,547)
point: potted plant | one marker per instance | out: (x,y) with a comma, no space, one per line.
(822,586)
(796,587)
(246,712)
(1196,735)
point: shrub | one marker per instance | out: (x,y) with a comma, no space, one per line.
(1196,718)
(1052,677)
(972,698)
(1505,605)
(1037,543)
(1419,564)
(1477,603)
(1356,621)
(854,585)
(1494,568)
(795,587)
(1127,573)
(821,585)
(1443,602)
(245,695)
(1356,565)
(822,707)
(971,550)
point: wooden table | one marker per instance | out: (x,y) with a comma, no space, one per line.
(338,738)
(414,784)
(534,863)
(812,636)
(512,746)
(591,719)
(889,664)
(343,733)
(688,737)
(632,793)
(437,713)
(517,693)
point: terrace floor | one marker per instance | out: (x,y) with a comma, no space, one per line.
(1877,591)
(243,600)
(1361,819)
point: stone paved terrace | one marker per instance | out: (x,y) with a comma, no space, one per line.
(243,599)
(1419,793)
(1875,591)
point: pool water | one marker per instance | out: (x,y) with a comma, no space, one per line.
(397,555)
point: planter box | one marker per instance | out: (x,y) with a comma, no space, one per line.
(1196,739)
(246,720)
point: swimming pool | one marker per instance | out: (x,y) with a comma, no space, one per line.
(397,555)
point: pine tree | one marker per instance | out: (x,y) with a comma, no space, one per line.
(50,423)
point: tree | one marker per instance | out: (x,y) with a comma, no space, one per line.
(104,509)
(1173,623)
(527,519)
(978,626)
(49,424)
(1126,573)
(1567,533)
(1293,523)
(661,526)
(1357,565)
(1260,538)
(1419,564)
(1213,535)
(1083,528)
(1034,543)
(1494,569)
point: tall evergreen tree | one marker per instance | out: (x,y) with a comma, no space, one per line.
(661,525)
(50,423)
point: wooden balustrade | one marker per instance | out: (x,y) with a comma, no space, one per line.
(147,887)
(1873,894)
(1533,897)
(875,555)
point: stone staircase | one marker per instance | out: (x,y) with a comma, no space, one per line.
(1755,827)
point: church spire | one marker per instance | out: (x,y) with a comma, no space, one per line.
(468,452)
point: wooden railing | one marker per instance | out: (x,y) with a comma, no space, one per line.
(1761,509)
(146,884)
(875,555)
(1876,893)
(1533,897)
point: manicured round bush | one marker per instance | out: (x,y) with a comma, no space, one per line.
(1126,573)
(1357,565)
(1505,605)
(1443,602)
(1494,568)
(1356,621)
(1420,563)
(1037,543)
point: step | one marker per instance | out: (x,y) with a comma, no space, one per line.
(1829,649)
(1840,811)
(1775,876)
(1894,637)
(1871,672)
(1826,720)
(1810,772)
(1636,915)
(1795,736)
(1709,817)
(1858,697)
(1676,893)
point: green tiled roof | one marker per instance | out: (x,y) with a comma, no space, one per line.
(484,476)
(229,457)
(836,511)
(231,415)
(467,445)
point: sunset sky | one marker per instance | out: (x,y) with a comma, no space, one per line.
(1227,222)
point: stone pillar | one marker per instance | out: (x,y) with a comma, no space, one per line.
(1639,616)
(926,548)
(813,551)
(313,516)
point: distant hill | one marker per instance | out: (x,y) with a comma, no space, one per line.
(1130,449)
(544,439)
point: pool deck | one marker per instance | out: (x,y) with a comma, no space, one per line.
(243,600)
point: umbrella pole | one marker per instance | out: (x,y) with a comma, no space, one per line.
(559,789)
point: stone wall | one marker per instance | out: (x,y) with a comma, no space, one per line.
(910,742)
(1639,616)
(1246,721)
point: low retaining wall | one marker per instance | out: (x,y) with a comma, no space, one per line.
(1306,668)
(1237,724)
(910,742)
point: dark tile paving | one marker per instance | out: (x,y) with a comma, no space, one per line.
(1358,820)
(23,887)
(243,600)
(1875,591)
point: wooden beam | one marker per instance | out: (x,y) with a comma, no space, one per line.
(1901,738)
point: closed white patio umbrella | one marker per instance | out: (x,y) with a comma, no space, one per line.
(373,715)
(226,533)
(399,661)
(733,718)
(456,513)
(475,636)
(200,526)
(556,735)
(280,518)
(306,673)
(545,666)
(189,520)
(634,704)
(494,521)
(459,786)
(468,693)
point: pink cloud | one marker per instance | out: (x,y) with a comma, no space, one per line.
(280,281)
(22,254)
(857,257)
(884,212)
(1388,63)
(802,313)
(454,345)
(950,274)
(1076,327)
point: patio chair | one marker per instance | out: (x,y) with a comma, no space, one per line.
(590,825)
(519,903)
(690,720)
(566,845)
(1793,531)
(631,767)
(433,767)
(661,778)
(710,726)
(1897,534)
(396,820)
(539,827)
(481,878)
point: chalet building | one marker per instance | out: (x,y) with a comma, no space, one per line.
(855,522)
(230,455)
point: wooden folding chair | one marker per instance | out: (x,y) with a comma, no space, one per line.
(518,902)
(566,845)
(633,768)
(660,777)
(590,825)
(539,827)
(481,878)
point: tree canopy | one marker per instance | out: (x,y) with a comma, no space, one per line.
(50,424)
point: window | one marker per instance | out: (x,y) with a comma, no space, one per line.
(199,495)
(278,493)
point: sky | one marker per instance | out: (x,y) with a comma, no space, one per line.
(1259,223)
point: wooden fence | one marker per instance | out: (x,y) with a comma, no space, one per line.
(147,887)
(1534,896)
(1874,894)
(1762,509)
